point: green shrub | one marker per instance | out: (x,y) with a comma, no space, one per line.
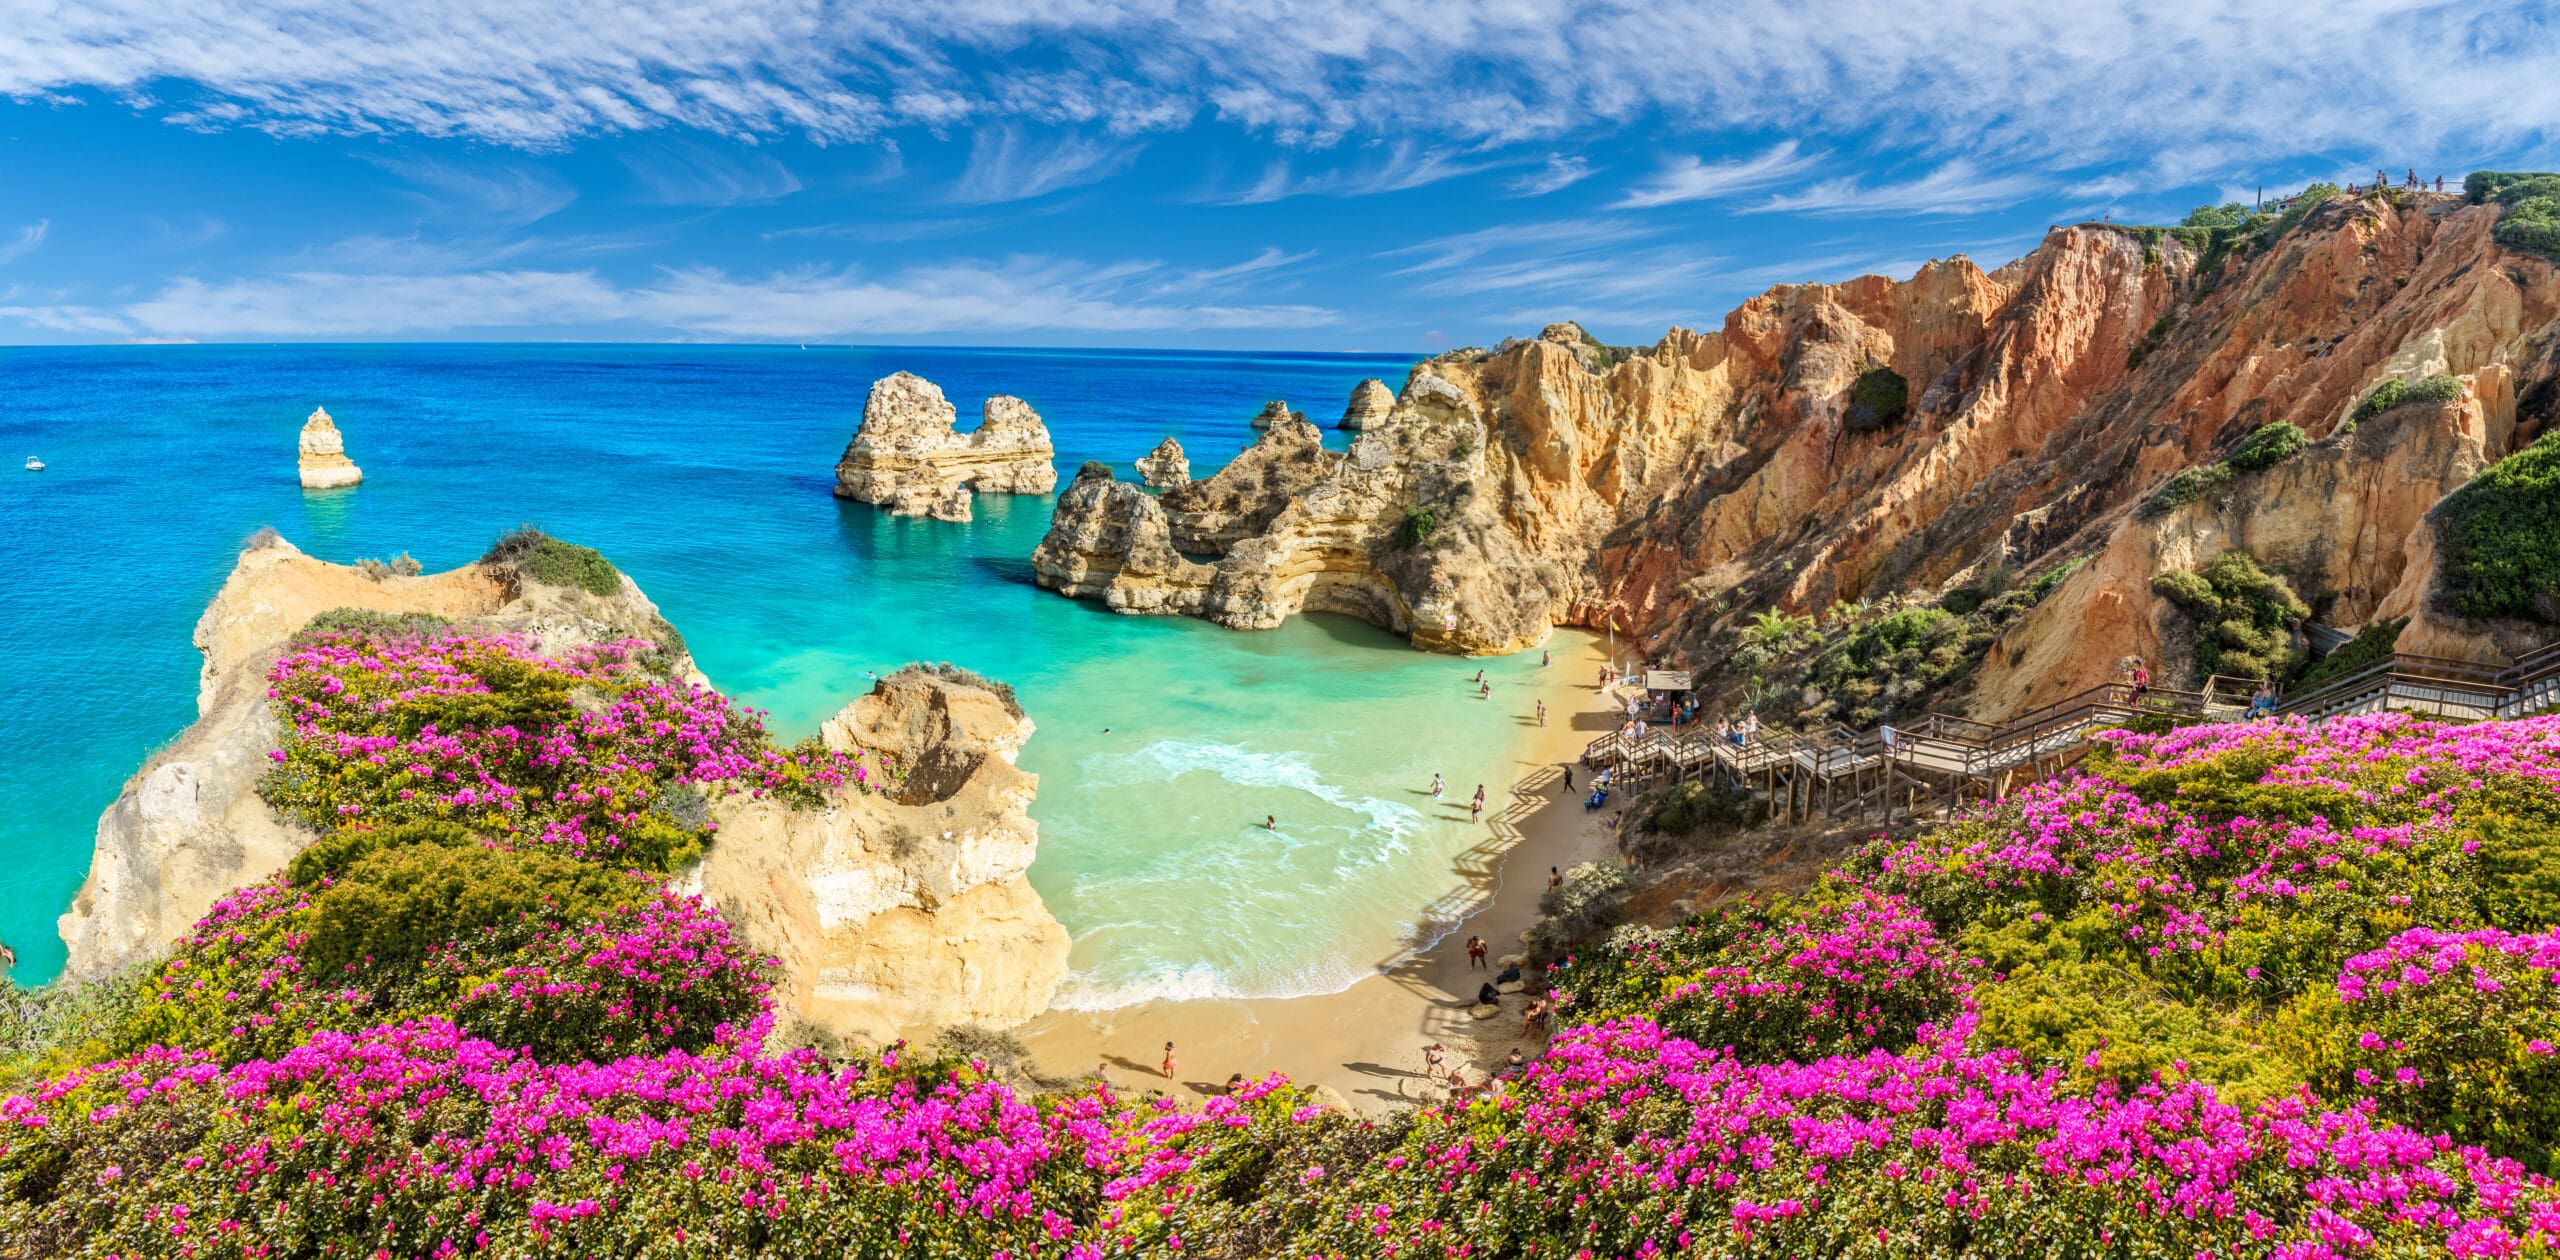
(552,562)
(2268,446)
(2372,643)
(1094,469)
(1878,399)
(367,626)
(2241,616)
(1417,527)
(2055,576)
(2309,200)
(2509,187)
(1587,903)
(1962,600)
(1688,806)
(966,677)
(2501,532)
(2531,225)
(2189,486)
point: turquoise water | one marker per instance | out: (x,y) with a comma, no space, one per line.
(705,474)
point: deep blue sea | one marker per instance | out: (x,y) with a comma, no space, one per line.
(704,472)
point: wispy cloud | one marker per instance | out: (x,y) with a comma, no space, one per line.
(488,193)
(1954,188)
(1393,168)
(1014,295)
(28,239)
(1559,173)
(689,173)
(1009,164)
(1689,178)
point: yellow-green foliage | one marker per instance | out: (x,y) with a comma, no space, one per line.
(2501,553)
(2241,616)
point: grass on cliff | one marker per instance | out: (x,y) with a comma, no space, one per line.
(2501,537)
(2239,617)
(2531,220)
(2266,446)
(548,560)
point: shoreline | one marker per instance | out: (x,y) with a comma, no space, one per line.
(1365,1042)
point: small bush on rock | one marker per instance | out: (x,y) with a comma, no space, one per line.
(1878,399)
(2268,446)
(2242,616)
(2501,535)
(555,563)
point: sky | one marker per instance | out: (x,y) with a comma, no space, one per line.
(1385,175)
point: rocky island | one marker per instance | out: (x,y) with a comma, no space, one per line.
(1165,466)
(908,457)
(1370,402)
(324,464)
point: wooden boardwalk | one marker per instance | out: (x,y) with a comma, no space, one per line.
(1938,762)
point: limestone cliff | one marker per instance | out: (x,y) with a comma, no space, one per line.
(1371,400)
(910,908)
(1165,466)
(324,464)
(907,456)
(1276,412)
(1882,442)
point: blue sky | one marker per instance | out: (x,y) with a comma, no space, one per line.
(1327,174)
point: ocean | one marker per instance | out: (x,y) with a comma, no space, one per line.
(704,473)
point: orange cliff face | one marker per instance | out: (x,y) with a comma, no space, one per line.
(1717,474)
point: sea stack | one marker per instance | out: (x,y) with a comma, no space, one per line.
(1166,466)
(1274,412)
(1371,401)
(907,456)
(324,454)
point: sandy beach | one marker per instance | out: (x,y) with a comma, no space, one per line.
(1366,1042)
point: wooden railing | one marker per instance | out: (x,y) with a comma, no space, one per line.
(1942,759)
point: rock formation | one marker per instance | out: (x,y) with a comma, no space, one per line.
(1165,466)
(324,463)
(1371,400)
(1895,439)
(899,911)
(1393,532)
(1275,412)
(907,457)
(908,909)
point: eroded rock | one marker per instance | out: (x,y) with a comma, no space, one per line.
(1165,466)
(908,456)
(324,464)
(1371,401)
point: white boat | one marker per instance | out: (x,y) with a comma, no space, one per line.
(34,464)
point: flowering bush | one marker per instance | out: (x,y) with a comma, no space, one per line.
(579,751)
(2451,1030)
(1817,976)
(2241,992)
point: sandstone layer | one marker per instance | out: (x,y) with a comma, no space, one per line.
(908,456)
(892,912)
(1892,440)
(1275,412)
(324,464)
(1371,400)
(1165,466)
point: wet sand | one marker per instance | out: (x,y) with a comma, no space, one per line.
(1366,1042)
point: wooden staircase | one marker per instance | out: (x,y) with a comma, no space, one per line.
(1939,762)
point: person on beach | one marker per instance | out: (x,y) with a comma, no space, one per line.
(1431,1061)
(1235,1084)
(1168,1060)
(1535,1018)
(1568,777)
(1102,1073)
(1487,995)
(1475,953)
(1479,675)
(1604,678)
(1542,713)
(1549,658)
(1484,691)
(1555,878)
(1271,822)
(1436,786)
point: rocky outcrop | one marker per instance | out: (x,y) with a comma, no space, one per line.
(906,910)
(895,911)
(1371,400)
(1895,439)
(1276,412)
(1393,532)
(908,457)
(1165,466)
(324,464)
